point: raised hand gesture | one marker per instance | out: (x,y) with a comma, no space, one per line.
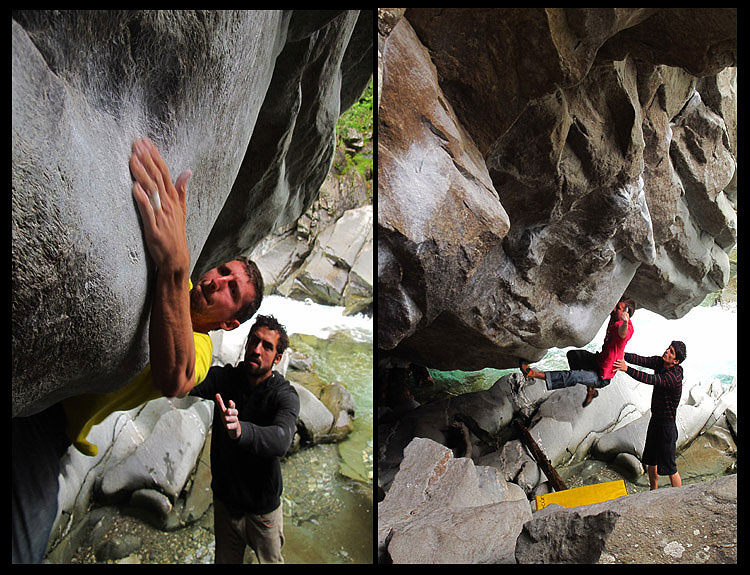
(230,417)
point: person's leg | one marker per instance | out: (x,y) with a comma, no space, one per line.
(230,543)
(265,534)
(653,478)
(649,457)
(668,454)
(569,378)
(582,359)
(38,442)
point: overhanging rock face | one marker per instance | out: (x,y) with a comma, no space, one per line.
(247,100)
(536,164)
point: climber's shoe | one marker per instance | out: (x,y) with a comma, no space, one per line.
(523,365)
(591,393)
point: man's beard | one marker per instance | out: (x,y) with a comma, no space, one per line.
(256,370)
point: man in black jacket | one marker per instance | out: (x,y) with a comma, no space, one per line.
(659,453)
(255,419)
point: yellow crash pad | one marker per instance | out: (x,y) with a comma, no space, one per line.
(585,495)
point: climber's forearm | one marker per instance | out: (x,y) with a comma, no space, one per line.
(171,340)
(163,209)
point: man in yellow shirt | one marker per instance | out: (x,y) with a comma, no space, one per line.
(180,349)
(181,318)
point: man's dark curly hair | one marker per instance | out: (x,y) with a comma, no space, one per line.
(270,322)
(680,351)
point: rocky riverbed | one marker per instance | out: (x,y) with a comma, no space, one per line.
(467,467)
(446,509)
(327,519)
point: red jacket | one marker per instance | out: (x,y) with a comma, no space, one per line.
(613,348)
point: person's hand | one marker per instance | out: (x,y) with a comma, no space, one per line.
(162,207)
(625,316)
(620,365)
(230,416)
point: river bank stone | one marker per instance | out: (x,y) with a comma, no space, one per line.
(690,524)
(437,504)
(315,421)
(564,537)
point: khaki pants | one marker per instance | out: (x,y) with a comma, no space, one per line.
(263,533)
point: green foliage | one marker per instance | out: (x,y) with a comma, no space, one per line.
(359,118)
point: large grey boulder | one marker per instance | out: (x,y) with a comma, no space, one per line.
(537,163)
(152,449)
(446,510)
(247,100)
(157,449)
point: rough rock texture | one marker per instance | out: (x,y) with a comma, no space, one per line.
(446,510)
(690,524)
(247,100)
(535,164)
(564,537)
(564,430)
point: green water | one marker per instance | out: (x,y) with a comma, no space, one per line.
(328,503)
(342,359)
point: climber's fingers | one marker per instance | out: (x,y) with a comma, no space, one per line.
(145,206)
(152,173)
(143,177)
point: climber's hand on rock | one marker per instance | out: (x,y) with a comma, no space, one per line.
(162,207)
(230,416)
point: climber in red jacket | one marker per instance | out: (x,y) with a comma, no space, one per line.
(594,370)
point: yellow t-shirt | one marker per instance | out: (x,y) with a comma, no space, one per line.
(85,411)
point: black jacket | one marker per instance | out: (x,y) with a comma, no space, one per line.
(246,473)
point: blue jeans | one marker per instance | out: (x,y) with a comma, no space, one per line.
(584,369)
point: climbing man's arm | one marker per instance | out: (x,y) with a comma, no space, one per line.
(162,208)
(622,331)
